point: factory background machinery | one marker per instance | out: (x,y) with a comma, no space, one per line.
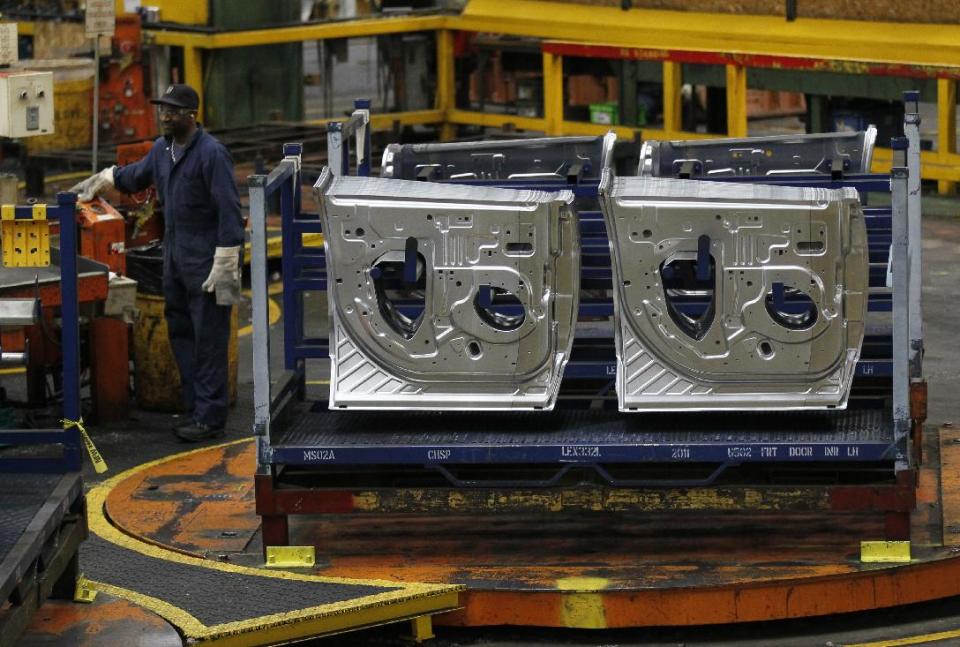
(576,298)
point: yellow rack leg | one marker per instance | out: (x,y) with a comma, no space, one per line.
(553,93)
(291,556)
(880,552)
(946,128)
(85,592)
(736,101)
(421,628)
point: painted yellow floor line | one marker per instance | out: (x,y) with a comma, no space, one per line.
(910,640)
(273,316)
(404,600)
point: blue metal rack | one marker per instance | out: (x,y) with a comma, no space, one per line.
(865,435)
(44,516)
(67,438)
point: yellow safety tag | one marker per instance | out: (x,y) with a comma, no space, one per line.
(99,465)
(291,556)
(85,591)
(884,551)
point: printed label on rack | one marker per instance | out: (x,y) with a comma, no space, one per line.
(319,455)
(573,451)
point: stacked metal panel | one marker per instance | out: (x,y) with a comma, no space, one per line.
(447,297)
(832,154)
(512,159)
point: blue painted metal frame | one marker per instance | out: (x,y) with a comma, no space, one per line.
(593,360)
(728,454)
(69,439)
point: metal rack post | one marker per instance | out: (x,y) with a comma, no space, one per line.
(284,178)
(338,141)
(900,264)
(70,327)
(911,130)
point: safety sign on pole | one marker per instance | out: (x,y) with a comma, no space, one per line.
(8,43)
(101,18)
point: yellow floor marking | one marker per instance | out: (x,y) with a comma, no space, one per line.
(16,370)
(403,601)
(275,244)
(911,640)
(274,311)
(273,316)
(318,382)
(583,606)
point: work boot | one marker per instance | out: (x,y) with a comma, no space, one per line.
(195,432)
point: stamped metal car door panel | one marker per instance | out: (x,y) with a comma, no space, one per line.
(445,296)
(735,295)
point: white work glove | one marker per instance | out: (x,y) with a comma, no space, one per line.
(89,188)
(224,276)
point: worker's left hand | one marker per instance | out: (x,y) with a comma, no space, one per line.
(224,276)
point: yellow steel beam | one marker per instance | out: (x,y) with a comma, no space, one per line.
(387,120)
(491,120)
(946,127)
(298,33)
(908,43)
(384,121)
(625,132)
(771,35)
(736,101)
(552,92)
(193,73)
(672,80)
(932,165)
(446,83)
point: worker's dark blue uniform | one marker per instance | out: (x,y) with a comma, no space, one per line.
(201,208)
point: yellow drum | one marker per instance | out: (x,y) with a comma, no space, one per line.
(157,376)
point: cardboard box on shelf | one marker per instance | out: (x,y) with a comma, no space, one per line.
(769,103)
(584,89)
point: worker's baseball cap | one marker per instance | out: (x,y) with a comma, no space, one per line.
(179,95)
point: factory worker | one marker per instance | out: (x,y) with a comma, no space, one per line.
(203,236)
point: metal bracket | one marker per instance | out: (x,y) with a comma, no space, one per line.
(836,169)
(291,556)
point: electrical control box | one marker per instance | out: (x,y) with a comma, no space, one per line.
(26,104)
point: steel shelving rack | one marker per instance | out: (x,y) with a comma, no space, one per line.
(863,459)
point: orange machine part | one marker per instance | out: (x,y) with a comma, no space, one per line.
(140,231)
(125,110)
(102,234)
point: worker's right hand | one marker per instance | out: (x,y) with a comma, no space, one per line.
(93,185)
